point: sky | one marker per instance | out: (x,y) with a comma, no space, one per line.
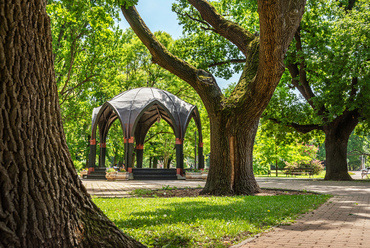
(158,17)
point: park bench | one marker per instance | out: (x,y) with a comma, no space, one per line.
(299,171)
(365,173)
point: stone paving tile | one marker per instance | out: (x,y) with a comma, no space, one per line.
(103,188)
(341,222)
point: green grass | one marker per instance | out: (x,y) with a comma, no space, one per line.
(141,192)
(168,187)
(203,221)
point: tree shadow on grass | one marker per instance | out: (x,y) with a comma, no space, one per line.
(248,215)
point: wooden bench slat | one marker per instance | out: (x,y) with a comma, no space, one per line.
(299,171)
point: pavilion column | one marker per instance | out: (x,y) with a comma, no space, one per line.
(200,156)
(103,150)
(179,157)
(92,155)
(139,155)
(129,149)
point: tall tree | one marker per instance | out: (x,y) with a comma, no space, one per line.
(328,63)
(233,120)
(42,201)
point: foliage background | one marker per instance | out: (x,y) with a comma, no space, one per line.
(96,60)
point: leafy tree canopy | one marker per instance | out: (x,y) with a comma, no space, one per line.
(95,61)
(333,50)
(211,51)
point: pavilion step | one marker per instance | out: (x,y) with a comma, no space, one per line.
(98,173)
(95,176)
(154,174)
(155,177)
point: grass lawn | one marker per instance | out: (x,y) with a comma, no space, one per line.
(203,221)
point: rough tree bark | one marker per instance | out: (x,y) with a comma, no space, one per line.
(233,120)
(42,201)
(336,141)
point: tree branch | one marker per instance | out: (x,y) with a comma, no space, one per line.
(208,27)
(203,82)
(156,134)
(353,92)
(279,21)
(356,152)
(302,83)
(72,54)
(231,61)
(67,91)
(299,76)
(228,29)
(61,33)
(300,128)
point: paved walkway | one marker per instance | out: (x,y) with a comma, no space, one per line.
(104,188)
(344,221)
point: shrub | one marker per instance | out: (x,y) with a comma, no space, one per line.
(260,168)
(290,166)
(316,165)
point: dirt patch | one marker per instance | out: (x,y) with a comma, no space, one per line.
(196,192)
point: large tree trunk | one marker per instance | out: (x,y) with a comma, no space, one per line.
(336,142)
(42,201)
(336,157)
(231,170)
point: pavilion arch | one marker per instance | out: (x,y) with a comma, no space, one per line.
(137,110)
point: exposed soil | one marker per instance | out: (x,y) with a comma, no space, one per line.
(196,192)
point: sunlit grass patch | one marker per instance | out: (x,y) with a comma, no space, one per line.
(203,221)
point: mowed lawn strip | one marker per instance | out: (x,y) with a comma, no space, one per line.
(204,221)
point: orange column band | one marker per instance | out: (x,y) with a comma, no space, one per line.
(178,141)
(139,147)
(179,171)
(201,144)
(93,142)
(103,145)
(130,140)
